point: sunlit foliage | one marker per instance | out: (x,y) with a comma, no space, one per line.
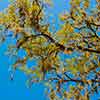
(68,61)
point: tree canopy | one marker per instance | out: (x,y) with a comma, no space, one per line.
(68,77)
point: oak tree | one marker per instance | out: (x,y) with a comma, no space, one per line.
(67,60)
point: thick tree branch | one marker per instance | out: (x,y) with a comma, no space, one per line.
(61,47)
(87,49)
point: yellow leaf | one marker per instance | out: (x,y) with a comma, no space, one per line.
(67,51)
(63,17)
(35,7)
(86,4)
(87,54)
(69,28)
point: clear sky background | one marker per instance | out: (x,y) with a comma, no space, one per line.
(17,90)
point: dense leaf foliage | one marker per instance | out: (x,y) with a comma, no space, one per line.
(67,61)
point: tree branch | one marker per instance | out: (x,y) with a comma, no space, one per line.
(61,47)
(87,49)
